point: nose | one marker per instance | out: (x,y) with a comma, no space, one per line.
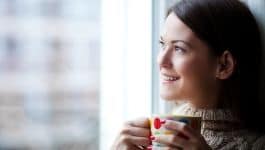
(164,58)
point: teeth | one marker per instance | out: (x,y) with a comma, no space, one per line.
(170,78)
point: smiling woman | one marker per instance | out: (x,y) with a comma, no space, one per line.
(206,64)
(188,61)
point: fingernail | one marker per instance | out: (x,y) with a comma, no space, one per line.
(149,147)
(152,137)
(163,121)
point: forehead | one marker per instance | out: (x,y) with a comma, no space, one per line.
(175,29)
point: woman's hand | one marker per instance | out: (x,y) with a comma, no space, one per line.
(133,136)
(185,138)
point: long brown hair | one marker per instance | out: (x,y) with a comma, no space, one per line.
(230,25)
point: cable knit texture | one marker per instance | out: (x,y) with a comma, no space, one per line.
(221,130)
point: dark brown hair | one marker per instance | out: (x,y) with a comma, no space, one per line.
(229,25)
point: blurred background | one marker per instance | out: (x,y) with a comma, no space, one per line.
(49,74)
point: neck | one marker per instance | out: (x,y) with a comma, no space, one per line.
(206,102)
(208,99)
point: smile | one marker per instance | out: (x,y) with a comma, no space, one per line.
(169,78)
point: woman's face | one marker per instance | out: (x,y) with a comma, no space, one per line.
(187,69)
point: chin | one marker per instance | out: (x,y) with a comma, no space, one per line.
(169,97)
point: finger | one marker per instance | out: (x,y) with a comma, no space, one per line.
(141,147)
(181,127)
(137,141)
(167,148)
(136,131)
(141,122)
(172,140)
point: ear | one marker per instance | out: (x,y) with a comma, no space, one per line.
(226,65)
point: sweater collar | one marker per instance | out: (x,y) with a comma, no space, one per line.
(212,119)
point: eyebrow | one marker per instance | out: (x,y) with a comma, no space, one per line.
(176,41)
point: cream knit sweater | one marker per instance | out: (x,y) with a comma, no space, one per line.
(222,130)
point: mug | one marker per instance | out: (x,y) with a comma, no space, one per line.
(157,128)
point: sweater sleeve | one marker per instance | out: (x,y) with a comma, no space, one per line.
(259,144)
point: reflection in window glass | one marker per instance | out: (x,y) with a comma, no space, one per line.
(49,74)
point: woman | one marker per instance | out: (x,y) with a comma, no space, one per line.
(210,61)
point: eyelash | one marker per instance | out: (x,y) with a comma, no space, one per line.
(161,43)
(176,48)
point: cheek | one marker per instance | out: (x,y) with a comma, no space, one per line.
(194,69)
(158,58)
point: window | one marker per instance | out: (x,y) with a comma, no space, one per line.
(49,80)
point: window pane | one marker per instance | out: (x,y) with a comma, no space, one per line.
(49,74)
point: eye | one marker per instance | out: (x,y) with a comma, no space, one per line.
(162,45)
(179,49)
